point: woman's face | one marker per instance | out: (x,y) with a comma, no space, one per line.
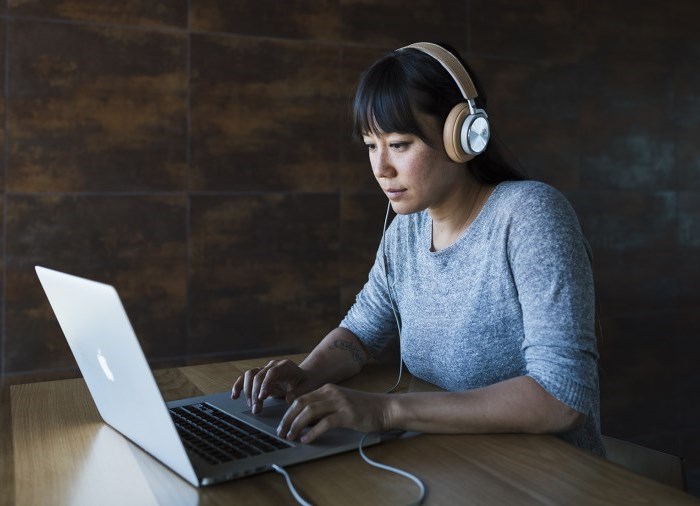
(412,174)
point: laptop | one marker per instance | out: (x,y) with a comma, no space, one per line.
(206,439)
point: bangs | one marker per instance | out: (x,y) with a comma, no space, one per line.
(383,103)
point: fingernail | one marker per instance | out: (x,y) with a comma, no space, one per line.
(304,439)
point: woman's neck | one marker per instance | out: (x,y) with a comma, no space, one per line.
(462,207)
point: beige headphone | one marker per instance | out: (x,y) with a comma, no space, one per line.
(466,132)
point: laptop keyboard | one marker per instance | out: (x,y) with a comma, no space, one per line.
(218,437)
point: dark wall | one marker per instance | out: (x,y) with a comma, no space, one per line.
(196,154)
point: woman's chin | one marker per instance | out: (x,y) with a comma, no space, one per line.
(403,208)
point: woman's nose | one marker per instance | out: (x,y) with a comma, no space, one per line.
(381,164)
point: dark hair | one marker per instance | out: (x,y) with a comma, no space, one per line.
(407,81)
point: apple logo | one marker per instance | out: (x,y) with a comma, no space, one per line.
(103,364)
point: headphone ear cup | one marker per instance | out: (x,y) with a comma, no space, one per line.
(452,133)
(476,133)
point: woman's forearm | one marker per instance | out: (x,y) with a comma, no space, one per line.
(515,405)
(337,357)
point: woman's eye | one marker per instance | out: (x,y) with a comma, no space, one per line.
(370,146)
(398,145)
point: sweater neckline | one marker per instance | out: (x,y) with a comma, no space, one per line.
(474,226)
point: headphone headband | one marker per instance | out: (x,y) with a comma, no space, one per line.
(451,64)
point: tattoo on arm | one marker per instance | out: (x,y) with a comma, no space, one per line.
(357,354)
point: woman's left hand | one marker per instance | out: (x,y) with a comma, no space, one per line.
(330,407)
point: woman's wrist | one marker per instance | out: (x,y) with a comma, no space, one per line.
(312,378)
(391,415)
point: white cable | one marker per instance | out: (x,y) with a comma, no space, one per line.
(374,463)
(391,301)
(405,474)
(292,489)
(371,462)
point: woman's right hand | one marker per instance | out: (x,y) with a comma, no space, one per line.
(279,378)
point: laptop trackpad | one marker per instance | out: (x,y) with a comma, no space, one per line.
(272,416)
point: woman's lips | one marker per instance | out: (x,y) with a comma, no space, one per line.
(394,193)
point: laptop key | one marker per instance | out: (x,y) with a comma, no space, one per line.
(217,437)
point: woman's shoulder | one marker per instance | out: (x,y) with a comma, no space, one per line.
(528,190)
(528,198)
(534,208)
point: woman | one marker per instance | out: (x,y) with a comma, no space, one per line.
(486,276)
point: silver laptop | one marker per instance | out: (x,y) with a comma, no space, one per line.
(205,439)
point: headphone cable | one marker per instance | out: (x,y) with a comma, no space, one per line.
(395,470)
(290,485)
(360,448)
(391,300)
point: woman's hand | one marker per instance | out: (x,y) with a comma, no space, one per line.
(331,407)
(279,378)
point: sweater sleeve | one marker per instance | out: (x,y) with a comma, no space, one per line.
(371,318)
(551,266)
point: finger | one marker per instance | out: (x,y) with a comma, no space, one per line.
(289,396)
(248,384)
(321,427)
(237,388)
(255,397)
(274,382)
(269,378)
(310,413)
(289,415)
(300,404)
(316,419)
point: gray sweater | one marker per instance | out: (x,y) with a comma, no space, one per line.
(512,297)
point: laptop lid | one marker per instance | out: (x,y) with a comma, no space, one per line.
(115,369)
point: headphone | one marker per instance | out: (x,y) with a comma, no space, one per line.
(466,132)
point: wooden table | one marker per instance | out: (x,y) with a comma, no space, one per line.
(55,450)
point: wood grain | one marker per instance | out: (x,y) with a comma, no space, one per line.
(60,453)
